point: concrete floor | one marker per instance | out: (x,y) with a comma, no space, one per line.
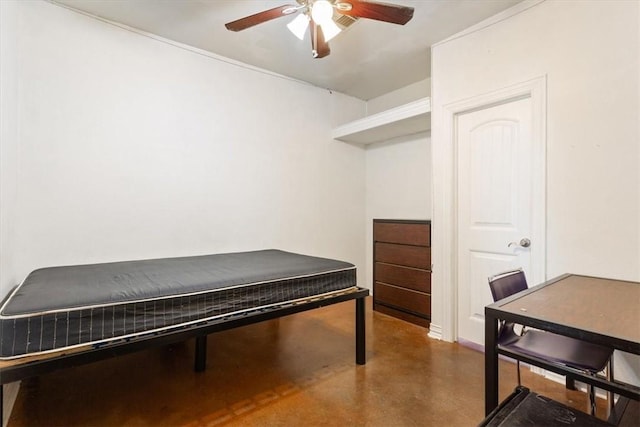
(297,370)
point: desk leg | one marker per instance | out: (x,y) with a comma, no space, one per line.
(490,363)
(619,409)
(361,348)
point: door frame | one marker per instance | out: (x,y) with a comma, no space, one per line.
(445,209)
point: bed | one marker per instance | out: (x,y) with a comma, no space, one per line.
(65,316)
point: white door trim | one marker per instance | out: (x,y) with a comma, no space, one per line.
(444,236)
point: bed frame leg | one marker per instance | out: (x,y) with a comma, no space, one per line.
(201,353)
(361,350)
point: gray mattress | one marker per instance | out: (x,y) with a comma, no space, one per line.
(64,307)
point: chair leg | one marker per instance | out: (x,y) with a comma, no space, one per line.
(610,396)
(592,399)
(518,366)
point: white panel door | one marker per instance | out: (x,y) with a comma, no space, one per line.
(494,199)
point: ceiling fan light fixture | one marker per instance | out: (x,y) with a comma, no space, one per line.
(322,11)
(344,7)
(330,30)
(299,26)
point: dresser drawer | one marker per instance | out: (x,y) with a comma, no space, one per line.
(423,321)
(410,256)
(404,233)
(405,299)
(405,277)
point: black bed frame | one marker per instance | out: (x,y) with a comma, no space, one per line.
(22,371)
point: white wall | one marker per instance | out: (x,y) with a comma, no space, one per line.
(9,72)
(8,136)
(132,147)
(398,171)
(398,184)
(401,96)
(590,53)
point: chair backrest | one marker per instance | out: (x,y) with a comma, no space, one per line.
(508,283)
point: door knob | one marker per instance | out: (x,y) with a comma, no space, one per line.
(524,242)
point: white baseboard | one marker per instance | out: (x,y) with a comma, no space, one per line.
(471,345)
(435,331)
(10,394)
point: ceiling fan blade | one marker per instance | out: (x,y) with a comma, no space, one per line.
(260,17)
(319,46)
(392,13)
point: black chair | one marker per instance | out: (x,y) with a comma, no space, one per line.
(587,357)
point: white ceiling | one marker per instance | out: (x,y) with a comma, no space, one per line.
(368,59)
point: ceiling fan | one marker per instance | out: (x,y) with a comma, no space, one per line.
(320,17)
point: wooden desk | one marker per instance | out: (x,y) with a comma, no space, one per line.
(602,311)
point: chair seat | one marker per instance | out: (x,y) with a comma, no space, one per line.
(559,349)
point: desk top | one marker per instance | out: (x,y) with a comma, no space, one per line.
(600,307)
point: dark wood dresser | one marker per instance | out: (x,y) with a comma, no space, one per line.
(402,269)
